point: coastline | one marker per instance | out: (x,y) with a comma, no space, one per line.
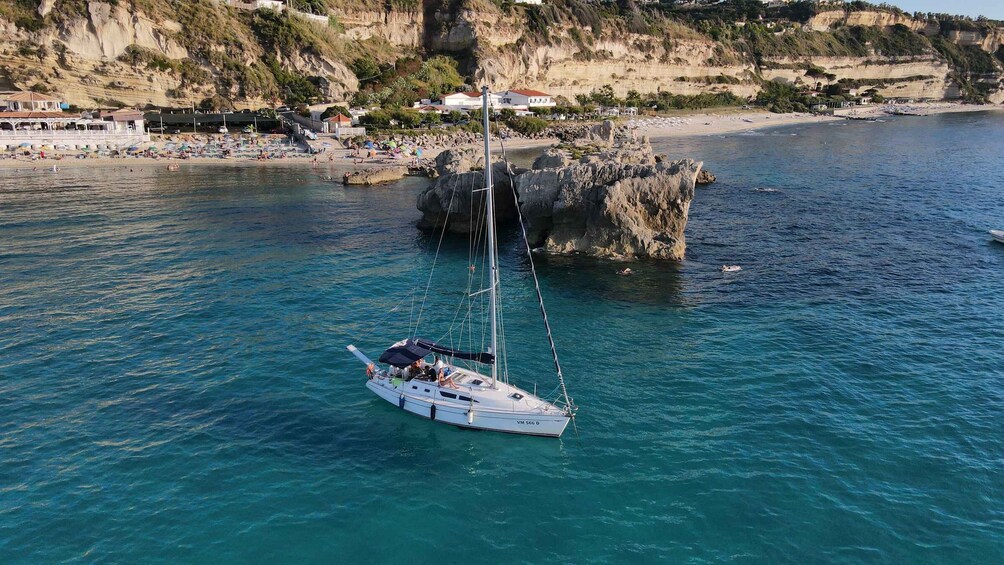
(699,125)
(337,162)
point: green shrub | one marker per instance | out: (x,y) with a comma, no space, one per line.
(527,125)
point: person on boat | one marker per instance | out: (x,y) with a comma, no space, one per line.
(428,372)
(413,370)
(443,371)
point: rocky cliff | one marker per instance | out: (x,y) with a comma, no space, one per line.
(177,53)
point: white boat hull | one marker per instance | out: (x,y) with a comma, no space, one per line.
(998,235)
(547,421)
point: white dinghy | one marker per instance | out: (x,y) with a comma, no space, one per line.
(998,235)
(465,388)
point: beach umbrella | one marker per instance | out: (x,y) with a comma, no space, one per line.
(25,145)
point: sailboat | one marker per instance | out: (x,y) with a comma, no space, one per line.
(466,388)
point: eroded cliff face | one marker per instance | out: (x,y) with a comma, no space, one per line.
(571,61)
(81,58)
(924,76)
(826,21)
(399,28)
(85,59)
(78,59)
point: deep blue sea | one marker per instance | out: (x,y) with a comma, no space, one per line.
(174,385)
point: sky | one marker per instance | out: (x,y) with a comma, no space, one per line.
(990,8)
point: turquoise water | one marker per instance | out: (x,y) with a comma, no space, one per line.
(174,386)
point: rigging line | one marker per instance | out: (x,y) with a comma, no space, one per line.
(536,284)
(421,310)
(375,324)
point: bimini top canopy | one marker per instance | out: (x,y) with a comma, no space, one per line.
(404,353)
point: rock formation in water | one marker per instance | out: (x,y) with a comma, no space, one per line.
(706,178)
(379,175)
(623,202)
(453,201)
(605,207)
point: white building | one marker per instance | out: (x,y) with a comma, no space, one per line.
(31,102)
(37,121)
(467,100)
(525,97)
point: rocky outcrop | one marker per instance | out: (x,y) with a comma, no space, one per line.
(550,159)
(454,161)
(379,175)
(621,203)
(455,201)
(605,208)
(705,178)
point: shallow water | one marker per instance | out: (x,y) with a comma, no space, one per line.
(174,385)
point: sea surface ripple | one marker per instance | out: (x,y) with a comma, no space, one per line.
(174,386)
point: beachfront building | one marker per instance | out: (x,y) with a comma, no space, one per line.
(341,126)
(23,125)
(527,98)
(31,102)
(341,120)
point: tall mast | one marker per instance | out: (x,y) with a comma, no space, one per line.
(492,261)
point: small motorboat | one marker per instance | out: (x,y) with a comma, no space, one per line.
(731,268)
(998,235)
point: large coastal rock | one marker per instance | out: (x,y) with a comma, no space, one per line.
(625,202)
(455,201)
(610,209)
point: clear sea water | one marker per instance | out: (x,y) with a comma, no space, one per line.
(174,386)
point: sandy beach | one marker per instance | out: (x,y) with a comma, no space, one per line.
(337,161)
(727,123)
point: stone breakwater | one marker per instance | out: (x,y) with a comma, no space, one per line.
(621,201)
